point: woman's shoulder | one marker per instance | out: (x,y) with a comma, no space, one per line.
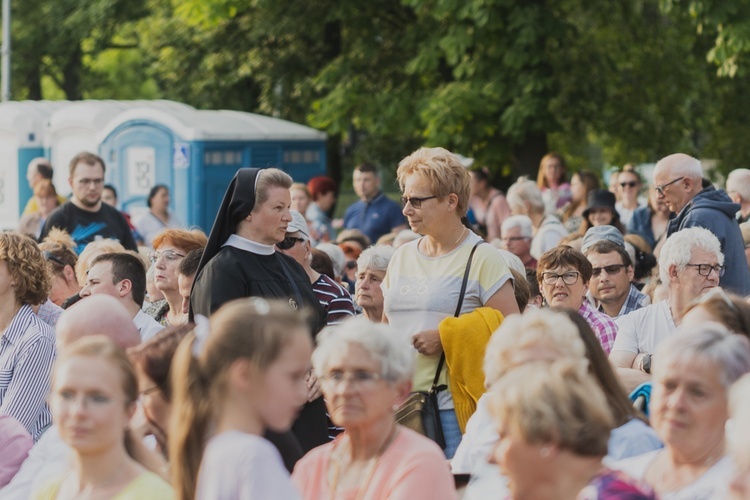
(410,444)
(48,490)
(637,466)
(147,486)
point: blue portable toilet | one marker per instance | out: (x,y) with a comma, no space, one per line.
(197,152)
(75,128)
(22,125)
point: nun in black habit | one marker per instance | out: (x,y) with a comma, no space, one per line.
(240,260)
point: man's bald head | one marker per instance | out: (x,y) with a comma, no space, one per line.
(97,315)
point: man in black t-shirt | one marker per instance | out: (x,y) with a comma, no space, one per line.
(85,217)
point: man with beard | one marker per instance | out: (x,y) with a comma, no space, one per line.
(85,217)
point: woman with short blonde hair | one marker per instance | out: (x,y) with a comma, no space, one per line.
(424,277)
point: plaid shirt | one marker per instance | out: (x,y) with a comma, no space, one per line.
(634,301)
(604,327)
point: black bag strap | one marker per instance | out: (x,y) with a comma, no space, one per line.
(461,294)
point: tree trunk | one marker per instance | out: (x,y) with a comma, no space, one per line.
(526,156)
(72,75)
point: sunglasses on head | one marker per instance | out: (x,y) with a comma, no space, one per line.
(51,257)
(288,242)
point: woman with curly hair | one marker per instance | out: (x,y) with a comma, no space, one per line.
(27,344)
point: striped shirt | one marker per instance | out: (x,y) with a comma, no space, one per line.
(335,300)
(604,327)
(27,350)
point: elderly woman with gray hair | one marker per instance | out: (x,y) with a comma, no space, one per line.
(371,267)
(365,371)
(692,372)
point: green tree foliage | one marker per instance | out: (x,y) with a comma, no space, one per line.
(53,39)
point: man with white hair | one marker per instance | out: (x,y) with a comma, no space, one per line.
(517,233)
(525,198)
(738,189)
(691,263)
(678,180)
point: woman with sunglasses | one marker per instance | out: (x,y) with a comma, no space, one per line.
(241,260)
(424,279)
(170,247)
(629,185)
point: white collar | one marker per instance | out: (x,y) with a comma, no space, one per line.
(249,246)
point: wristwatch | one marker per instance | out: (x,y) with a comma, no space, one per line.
(646,363)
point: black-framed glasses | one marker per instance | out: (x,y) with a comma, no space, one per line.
(51,257)
(660,189)
(611,270)
(289,242)
(169,256)
(705,269)
(415,202)
(569,278)
(631,184)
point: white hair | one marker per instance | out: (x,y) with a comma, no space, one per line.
(375,258)
(526,191)
(681,165)
(338,259)
(712,342)
(678,249)
(739,181)
(389,348)
(520,221)
(739,410)
(535,328)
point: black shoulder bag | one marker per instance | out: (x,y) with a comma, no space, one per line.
(420,411)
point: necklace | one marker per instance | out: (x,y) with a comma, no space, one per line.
(369,470)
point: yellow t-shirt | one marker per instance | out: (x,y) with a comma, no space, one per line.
(147,486)
(32,205)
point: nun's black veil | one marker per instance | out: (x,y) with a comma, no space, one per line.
(237,204)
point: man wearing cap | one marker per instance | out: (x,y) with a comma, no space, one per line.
(678,180)
(332,297)
(611,279)
(374,214)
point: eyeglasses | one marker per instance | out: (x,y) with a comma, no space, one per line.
(568,278)
(514,238)
(415,202)
(705,269)
(51,257)
(360,379)
(660,189)
(289,242)
(95,182)
(169,256)
(611,270)
(631,184)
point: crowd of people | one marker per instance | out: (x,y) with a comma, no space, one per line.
(558,341)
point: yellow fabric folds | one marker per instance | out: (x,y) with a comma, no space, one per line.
(464,341)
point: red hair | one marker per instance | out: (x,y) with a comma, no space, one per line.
(321,185)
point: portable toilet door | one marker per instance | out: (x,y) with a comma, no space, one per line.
(21,132)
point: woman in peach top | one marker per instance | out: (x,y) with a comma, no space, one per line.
(365,370)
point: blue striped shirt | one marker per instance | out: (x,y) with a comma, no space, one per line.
(27,351)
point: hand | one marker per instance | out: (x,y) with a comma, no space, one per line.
(313,387)
(140,426)
(427,342)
